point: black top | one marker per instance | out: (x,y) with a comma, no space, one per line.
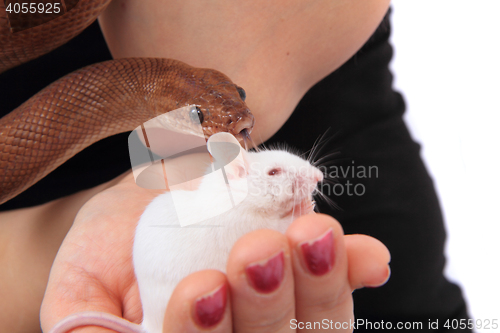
(389,195)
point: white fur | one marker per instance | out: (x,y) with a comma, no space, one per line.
(164,253)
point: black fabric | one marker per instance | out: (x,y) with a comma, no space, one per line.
(362,115)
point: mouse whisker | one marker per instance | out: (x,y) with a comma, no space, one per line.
(327,156)
(312,150)
(319,144)
(328,201)
(331,180)
(263,146)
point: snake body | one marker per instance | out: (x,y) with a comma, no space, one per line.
(99,100)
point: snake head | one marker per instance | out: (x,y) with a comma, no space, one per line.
(221,106)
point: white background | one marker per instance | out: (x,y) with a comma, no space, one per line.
(447,65)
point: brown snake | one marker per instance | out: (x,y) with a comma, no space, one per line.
(99,100)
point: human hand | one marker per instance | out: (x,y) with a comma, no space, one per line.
(93,271)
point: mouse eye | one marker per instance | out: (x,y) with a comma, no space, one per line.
(274,172)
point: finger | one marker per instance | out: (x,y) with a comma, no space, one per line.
(199,303)
(261,278)
(322,289)
(368,261)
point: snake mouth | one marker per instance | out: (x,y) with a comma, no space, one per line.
(243,128)
(245,122)
(245,140)
(243,135)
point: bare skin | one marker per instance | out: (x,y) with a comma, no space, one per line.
(29,241)
(275,50)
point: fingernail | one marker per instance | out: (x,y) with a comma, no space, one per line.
(265,277)
(318,253)
(387,275)
(210,309)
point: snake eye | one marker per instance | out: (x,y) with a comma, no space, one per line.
(195,114)
(243,94)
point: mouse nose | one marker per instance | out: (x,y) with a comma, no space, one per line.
(309,179)
(317,176)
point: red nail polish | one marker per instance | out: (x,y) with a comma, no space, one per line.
(318,254)
(210,309)
(266,277)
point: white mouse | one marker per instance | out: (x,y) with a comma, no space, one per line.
(279,186)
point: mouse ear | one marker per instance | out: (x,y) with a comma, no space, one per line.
(236,169)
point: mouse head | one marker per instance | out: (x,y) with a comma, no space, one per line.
(279,182)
